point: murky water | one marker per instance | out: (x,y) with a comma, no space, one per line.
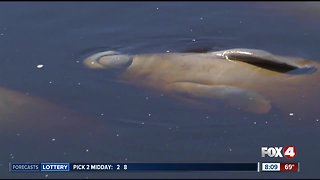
(84,116)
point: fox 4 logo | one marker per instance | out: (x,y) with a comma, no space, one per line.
(288,151)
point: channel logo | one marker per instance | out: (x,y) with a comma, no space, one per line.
(274,152)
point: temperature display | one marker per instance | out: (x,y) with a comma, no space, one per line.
(289,167)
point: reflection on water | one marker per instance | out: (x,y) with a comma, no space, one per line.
(108,121)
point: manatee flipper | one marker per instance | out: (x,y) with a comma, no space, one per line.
(233,96)
(269,61)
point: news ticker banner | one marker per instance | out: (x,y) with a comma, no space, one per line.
(129,167)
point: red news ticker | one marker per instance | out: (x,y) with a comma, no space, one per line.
(289,167)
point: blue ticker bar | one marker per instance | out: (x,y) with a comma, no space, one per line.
(129,167)
(165,167)
(194,166)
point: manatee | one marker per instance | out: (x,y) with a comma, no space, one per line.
(249,80)
(33,128)
(26,114)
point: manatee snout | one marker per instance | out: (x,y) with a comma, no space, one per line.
(108,60)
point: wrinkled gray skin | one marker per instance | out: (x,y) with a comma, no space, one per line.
(246,79)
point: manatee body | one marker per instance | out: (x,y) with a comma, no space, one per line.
(246,79)
(32,128)
(25,114)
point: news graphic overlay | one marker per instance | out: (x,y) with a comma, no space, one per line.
(274,152)
(131,167)
(59,167)
(287,152)
(280,167)
(166,167)
(34,167)
(24,167)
